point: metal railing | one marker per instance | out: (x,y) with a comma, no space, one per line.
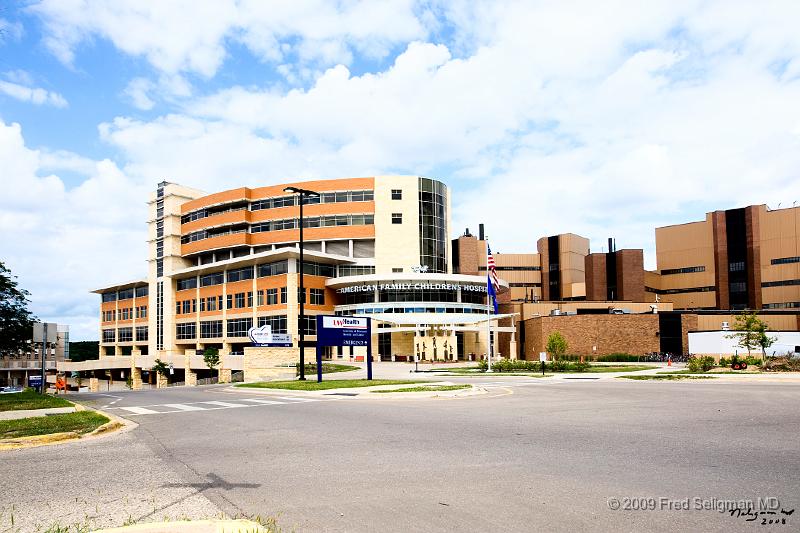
(24,364)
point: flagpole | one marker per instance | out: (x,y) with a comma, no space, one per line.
(488,305)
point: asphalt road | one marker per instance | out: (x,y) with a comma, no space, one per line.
(530,456)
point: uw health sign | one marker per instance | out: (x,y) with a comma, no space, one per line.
(343,331)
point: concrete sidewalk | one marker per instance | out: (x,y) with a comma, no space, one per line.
(30,413)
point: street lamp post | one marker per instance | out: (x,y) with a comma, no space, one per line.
(302,194)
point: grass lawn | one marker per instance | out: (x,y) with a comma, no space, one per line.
(426,389)
(325,385)
(80,422)
(619,368)
(666,377)
(461,370)
(329,368)
(30,400)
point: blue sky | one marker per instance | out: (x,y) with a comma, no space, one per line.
(603,119)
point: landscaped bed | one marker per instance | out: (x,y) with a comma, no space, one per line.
(434,388)
(327,368)
(81,423)
(666,377)
(309,385)
(29,399)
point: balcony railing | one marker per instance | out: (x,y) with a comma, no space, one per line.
(24,364)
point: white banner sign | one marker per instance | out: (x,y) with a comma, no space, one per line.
(336,322)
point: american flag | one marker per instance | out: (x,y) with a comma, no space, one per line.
(490,267)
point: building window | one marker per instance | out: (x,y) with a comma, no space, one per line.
(141,333)
(141,291)
(284,296)
(109,296)
(397,194)
(785,260)
(276,322)
(260,297)
(239,300)
(187,307)
(238,327)
(230,301)
(301,294)
(310,327)
(684,270)
(210,329)
(212,279)
(125,335)
(188,283)
(250,299)
(397,218)
(109,335)
(348,270)
(177,308)
(273,269)
(317,296)
(397,269)
(318,269)
(212,303)
(202,304)
(240,274)
(737,266)
(125,295)
(185,331)
(272,296)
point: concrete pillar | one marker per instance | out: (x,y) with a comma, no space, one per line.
(161,381)
(225,375)
(136,378)
(94,385)
(191,378)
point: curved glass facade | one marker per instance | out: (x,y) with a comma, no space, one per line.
(433,225)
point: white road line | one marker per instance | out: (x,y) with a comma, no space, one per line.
(183,407)
(260,401)
(139,410)
(225,404)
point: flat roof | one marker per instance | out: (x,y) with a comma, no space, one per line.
(275,255)
(121,286)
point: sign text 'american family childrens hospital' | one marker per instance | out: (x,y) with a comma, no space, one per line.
(412,286)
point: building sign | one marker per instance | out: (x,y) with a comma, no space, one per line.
(35,381)
(420,269)
(263,336)
(343,331)
(417,286)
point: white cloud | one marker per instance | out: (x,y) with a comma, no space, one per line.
(189,36)
(64,242)
(604,119)
(34,95)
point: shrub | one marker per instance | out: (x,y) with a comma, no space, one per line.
(781,364)
(701,364)
(724,361)
(619,358)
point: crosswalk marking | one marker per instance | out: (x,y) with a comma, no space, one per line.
(260,401)
(139,410)
(183,407)
(225,404)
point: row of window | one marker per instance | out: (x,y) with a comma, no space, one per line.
(124,294)
(267,269)
(684,270)
(238,327)
(782,305)
(369,310)
(288,201)
(243,300)
(785,260)
(125,334)
(126,313)
(514,268)
(782,283)
(680,291)
(314,222)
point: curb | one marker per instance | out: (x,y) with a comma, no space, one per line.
(115,424)
(362,393)
(195,526)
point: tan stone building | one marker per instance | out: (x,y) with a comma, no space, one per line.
(15,369)
(734,259)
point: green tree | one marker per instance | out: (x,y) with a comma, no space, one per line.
(764,340)
(84,350)
(556,345)
(160,367)
(211,358)
(16,322)
(749,332)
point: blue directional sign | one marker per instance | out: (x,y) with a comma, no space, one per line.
(343,331)
(35,381)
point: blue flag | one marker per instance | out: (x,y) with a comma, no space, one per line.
(492,292)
